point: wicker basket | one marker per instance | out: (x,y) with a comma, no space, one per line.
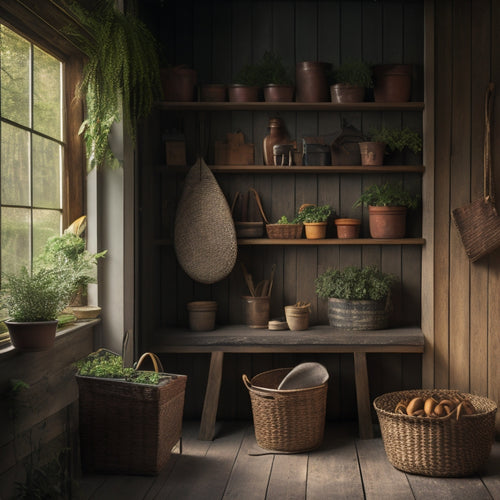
(444,446)
(287,420)
(129,428)
(284,231)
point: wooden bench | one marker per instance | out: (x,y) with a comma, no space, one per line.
(319,339)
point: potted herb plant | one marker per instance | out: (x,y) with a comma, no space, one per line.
(284,229)
(352,78)
(372,149)
(315,219)
(33,301)
(358,298)
(387,206)
(247,84)
(276,78)
(399,143)
(129,418)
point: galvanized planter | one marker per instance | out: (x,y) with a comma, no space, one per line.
(358,314)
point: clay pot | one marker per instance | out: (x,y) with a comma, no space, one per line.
(202,315)
(392,82)
(243,93)
(297,317)
(372,153)
(348,228)
(213,92)
(310,78)
(315,230)
(387,222)
(278,93)
(32,336)
(178,83)
(343,93)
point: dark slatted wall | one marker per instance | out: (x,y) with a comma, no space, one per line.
(217,38)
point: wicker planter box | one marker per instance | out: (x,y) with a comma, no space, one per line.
(444,446)
(284,231)
(129,428)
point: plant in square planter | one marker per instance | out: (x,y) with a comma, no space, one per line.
(130,419)
(33,301)
(403,145)
(358,298)
(315,219)
(387,207)
(284,229)
(352,78)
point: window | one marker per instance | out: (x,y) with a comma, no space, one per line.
(31,141)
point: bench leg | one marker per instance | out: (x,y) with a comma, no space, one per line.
(209,414)
(363,396)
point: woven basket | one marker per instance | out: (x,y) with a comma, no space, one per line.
(290,421)
(444,446)
(284,231)
(129,428)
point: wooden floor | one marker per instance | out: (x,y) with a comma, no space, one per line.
(344,467)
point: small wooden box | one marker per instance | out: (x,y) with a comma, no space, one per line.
(234,151)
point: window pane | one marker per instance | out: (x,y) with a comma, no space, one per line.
(46,223)
(15,234)
(46,94)
(46,173)
(15,77)
(15,171)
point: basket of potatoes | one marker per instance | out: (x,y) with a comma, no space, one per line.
(440,433)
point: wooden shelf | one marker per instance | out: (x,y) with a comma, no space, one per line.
(301,169)
(306,242)
(289,106)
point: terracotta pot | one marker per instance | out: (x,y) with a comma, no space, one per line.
(213,92)
(348,228)
(358,314)
(243,93)
(178,83)
(257,311)
(278,93)
(32,336)
(310,78)
(315,230)
(202,315)
(297,317)
(372,153)
(387,222)
(392,82)
(343,93)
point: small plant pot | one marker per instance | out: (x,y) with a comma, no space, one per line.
(343,93)
(178,83)
(392,82)
(387,222)
(202,315)
(32,336)
(278,93)
(257,311)
(372,153)
(348,228)
(243,93)
(213,92)
(315,230)
(297,317)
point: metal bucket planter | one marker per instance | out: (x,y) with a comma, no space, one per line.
(344,93)
(372,153)
(358,314)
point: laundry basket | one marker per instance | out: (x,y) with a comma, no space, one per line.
(286,420)
(429,446)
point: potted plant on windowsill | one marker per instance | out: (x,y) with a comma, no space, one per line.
(402,144)
(358,298)
(352,78)
(33,301)
(315,219)
(387,207)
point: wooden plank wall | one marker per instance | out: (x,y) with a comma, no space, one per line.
(43,419)
(466,321)
(217,38)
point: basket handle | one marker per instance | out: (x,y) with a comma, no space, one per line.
(258,392)
(259,204)
(154,358)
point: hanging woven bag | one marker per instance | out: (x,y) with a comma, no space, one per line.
(204,234)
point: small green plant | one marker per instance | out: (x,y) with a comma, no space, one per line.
(37,296)
(104,364)
(284,220)
(270,69)
(355,72)
(397,139)
(353,283)
(387,195)
(313,213)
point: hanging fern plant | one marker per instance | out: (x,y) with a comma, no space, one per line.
(121,78)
